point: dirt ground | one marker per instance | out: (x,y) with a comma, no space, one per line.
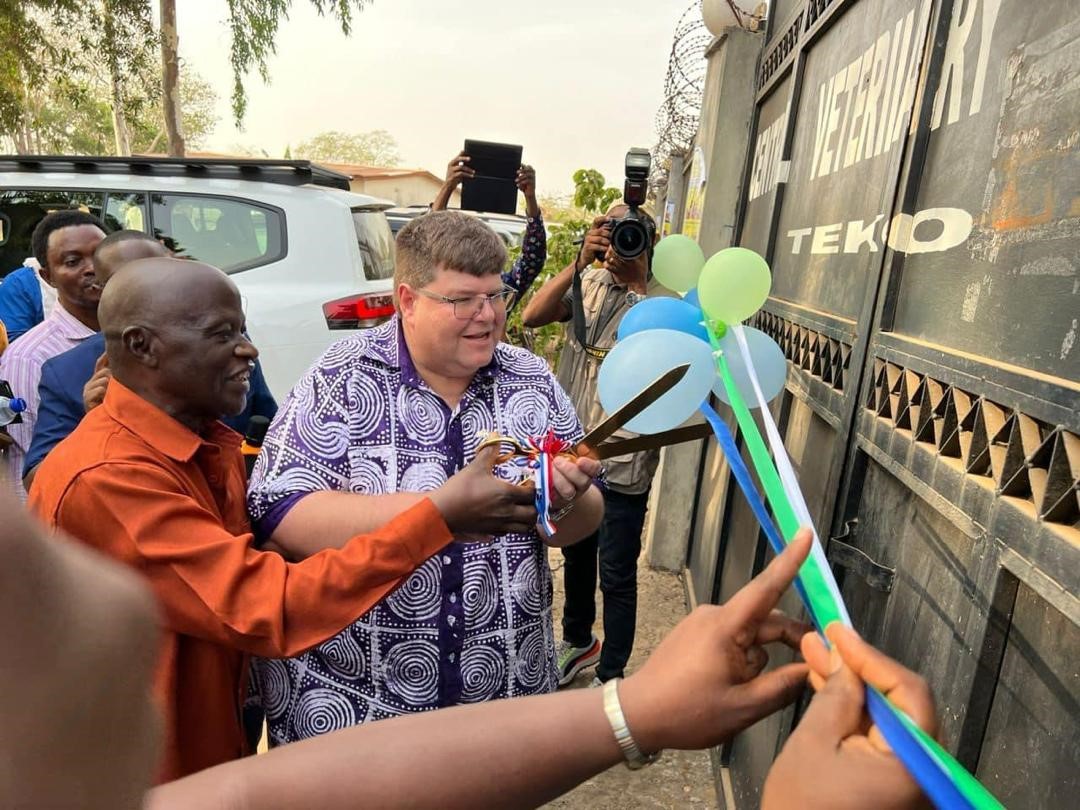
(680,779)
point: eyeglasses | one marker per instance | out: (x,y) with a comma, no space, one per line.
(468,307)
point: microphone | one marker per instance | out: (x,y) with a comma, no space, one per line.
(253,439)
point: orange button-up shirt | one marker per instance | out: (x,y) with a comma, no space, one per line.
(139,486)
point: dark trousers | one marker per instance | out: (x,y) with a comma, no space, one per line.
(617,544)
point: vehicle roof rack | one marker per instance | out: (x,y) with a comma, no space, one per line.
(285,172)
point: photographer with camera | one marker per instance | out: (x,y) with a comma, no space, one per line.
(594,301)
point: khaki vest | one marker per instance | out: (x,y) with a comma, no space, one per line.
(604,303)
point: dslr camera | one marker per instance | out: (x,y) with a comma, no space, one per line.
(632,234)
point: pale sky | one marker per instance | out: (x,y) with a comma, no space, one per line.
(576,82)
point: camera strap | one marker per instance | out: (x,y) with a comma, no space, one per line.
(578,307)
(578,315)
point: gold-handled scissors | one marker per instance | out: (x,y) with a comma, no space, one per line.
(594,446)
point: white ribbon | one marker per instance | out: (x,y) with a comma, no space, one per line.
(788,478)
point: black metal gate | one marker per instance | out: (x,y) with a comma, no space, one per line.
(914,181)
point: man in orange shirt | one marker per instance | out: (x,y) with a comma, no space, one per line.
(152,479)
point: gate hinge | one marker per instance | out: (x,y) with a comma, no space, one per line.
(877,576)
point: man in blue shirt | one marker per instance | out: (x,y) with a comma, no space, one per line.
(21,307)
(63,377)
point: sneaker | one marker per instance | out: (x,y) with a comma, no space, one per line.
(571,660)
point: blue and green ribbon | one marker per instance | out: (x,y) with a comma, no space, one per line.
(944,780)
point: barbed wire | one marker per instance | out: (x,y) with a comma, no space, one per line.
(679,112)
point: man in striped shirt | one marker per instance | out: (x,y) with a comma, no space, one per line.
(64,243)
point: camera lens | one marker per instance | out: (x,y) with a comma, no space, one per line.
(629,238)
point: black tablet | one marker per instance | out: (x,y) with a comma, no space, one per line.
(493,188)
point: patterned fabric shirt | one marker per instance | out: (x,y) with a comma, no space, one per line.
(474,622)
(21,367)
(531,261)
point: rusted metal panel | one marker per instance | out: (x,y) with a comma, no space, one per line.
(705,542)
(993,265)
(767,170)
(915,183)
(857,94)
(926,621)
(1031,754)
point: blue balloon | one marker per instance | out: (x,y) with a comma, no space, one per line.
(638,360)
(663,313)
(692,299)
(769,364)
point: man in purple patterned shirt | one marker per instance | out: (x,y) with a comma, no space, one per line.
(392,412)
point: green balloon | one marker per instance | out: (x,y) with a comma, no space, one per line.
(734,284)
(677,262)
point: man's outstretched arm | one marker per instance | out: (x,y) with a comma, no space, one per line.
(705,682)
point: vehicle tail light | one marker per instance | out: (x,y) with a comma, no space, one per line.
(358,311)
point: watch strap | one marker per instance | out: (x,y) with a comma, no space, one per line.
(635,759)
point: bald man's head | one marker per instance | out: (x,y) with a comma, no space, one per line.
(121,247)
(174,334)
(158,290)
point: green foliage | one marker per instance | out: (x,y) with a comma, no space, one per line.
(75,117)
(198,105)
(120,46)
(375,148)
(590,192)
(28,60)
(57,53)
(253,25)
(567,227)
(70,63)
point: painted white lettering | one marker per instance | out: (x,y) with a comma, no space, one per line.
(762,158)
(899,45)
(763,176)
(854,141)
(776,175)
(755,173)
(911,82)
(945,228)
(873,95)
(851,82)
(824,92)
(882,88)
(858,234)
(990,9)
(797,237)
(826,238)
(952,71)
(770,156)
(825,166)
(955,228)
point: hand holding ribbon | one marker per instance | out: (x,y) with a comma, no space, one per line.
(837,757)
(559,474)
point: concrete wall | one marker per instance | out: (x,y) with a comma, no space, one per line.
(403,190)
(723,134)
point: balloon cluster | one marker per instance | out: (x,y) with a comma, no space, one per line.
(658,334)
(661,333)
